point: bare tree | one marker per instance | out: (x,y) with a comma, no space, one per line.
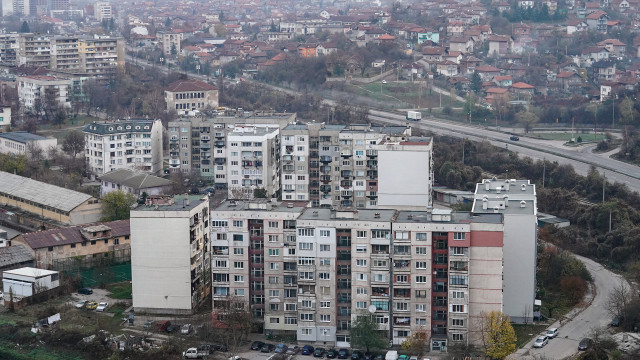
(234,321)
(73,143)
(619,299)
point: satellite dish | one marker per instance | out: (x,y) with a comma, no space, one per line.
(372,309)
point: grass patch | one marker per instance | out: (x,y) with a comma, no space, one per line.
(566,136)
(120,290)
(524,333)
(409,94)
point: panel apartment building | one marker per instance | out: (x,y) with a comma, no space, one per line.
(516,201)
(170,254)
(124,144)
(339,166)
(95,55)
(312,271)
(200,144)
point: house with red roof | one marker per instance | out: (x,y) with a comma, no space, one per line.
(184,96)
(522,88)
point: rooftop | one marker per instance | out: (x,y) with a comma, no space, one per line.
(515,187)
(456,217)
(360,214)
(180,203)
(73,235)
(31,272)
(120,126)
(261,204)
(189,85)
(21,136)
(41,193)
(134,180)
(15,254)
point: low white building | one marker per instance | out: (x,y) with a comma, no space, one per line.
(27,281)
(22,143)
(5,118)
(32,89)
(134,183)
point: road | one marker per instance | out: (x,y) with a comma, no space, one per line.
(594,316)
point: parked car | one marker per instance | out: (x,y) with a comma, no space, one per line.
(81,304)
(92,305)
(148,324)
(281,348)
(319,352)
(102,306)
(267,348)
(162,325)
(378,357)
(616,321)
(209,191)
(332,354)
(85,291)
(541,341)
(307,350)
(403,357)
(584,344)
(195,353)
(343,354)
(292,350)
(514,138)
(257,345)
(356,355)
(186,329)
(220,347)
(369,356)
(173,328)
(413,358)
(553,332)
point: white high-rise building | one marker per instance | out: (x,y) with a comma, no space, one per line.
(170,252)
(102,10)
(124,144)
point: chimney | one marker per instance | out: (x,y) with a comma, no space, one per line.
(523,204)
(485,203)
(487,184)
(506,200)
(508,183)
(496,209)
(186,201)
(376,216)
(523,187)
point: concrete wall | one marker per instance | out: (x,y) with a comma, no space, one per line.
(395,188)
(160,262)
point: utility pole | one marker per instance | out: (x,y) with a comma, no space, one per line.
(463,141)
(613,111)
(604,181)
(544,170)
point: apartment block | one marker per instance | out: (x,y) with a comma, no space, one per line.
(170,41)
(102,10)
(338,166)
(516,201)
(124,144)
(34,50)
(315,270)
(8,48)
(186,96)
(38,89)
(200,144)
(101,54)
(170,255)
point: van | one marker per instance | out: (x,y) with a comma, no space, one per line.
(391,355)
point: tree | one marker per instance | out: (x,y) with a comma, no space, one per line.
(260,193)
(116,205)
(619,299)
(234,321)
(25,27)
(59,118)
(476,82)
(221,30)
(499,338)
(73,143)
(416,342)
(528,119)
(365,334)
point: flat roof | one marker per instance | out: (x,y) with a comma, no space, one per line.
(179,204)
(261,205)
(355,215)
(21,136)
(456,217)
(134,179)
(513,207)
(41,193)
(515,187)
(30,271)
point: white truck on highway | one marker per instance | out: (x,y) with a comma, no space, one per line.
(414,115)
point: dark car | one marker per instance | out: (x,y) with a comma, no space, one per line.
(616,321)
(220,347)
(369,356)
(307,350)
(379,357)
(514,138)
(85,291)
(209,191)
(267,348)
(318,353)
(173,328)
(356,355)
(332,354)
(281,348)
(257,345)
(585,344)
(343,354)
(194,191)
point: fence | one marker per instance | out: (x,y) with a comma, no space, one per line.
(110,267)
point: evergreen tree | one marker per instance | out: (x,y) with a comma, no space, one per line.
(25,27)
(476,82)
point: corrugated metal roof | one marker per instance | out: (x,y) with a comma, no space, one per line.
(71,235)
(135,180)
(41,193)
(15,254)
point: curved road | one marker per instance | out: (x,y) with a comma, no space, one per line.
(594,316)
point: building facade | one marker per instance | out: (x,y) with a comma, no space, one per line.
(516,201)
(313,271)
(124,144)
(187,96)
(35,92)
(170,255)
(22,143)
(102,10)
(170,41)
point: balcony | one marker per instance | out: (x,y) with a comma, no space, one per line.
(346,203)
(402,321)
(325,159)
(372,153)
(325,188)
(205,146)
(220,161)
(380,291)
(346,173)
(372,194)
(219,144)
(205,139)
(346,153)
(401,264)
(325,179)
(325,170)
(346,184)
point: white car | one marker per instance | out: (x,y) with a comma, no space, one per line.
(80,304)
(102,306)
(541,341)
(551,333)
(186,329)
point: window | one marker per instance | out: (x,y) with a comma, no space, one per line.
(380,263)
(361,305)
(274,320)
(421,293)
(361,233)
(361,262)
(238,278)
(305,275)
(457,308)
(290,307)
(457,322)
(380,234)
(361,248)
(324,276)
(73,246)
(306,331)
(274,307)
(238,251)
(457,337)
(361,276)
(274,280)
(325,318)
(458,236)
(237,223)
(273,266)
(325,261)
(306,317)
(305,246)
(402,235)
(273,224)
(238,292)
(459,280)
(421,307)
(325,233)
(379,278)
(325,304)
(221,263)
(421,264)
(237,237)
(421,321)
(421,236)
(457,294)
(421,250)
(459,251)
(402,306)
(274,293)
(361,291)
(290,320)
(273,238)
(402,278)
(306,261)
(274,252)
(305,232)
(325,247)
(238,264)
